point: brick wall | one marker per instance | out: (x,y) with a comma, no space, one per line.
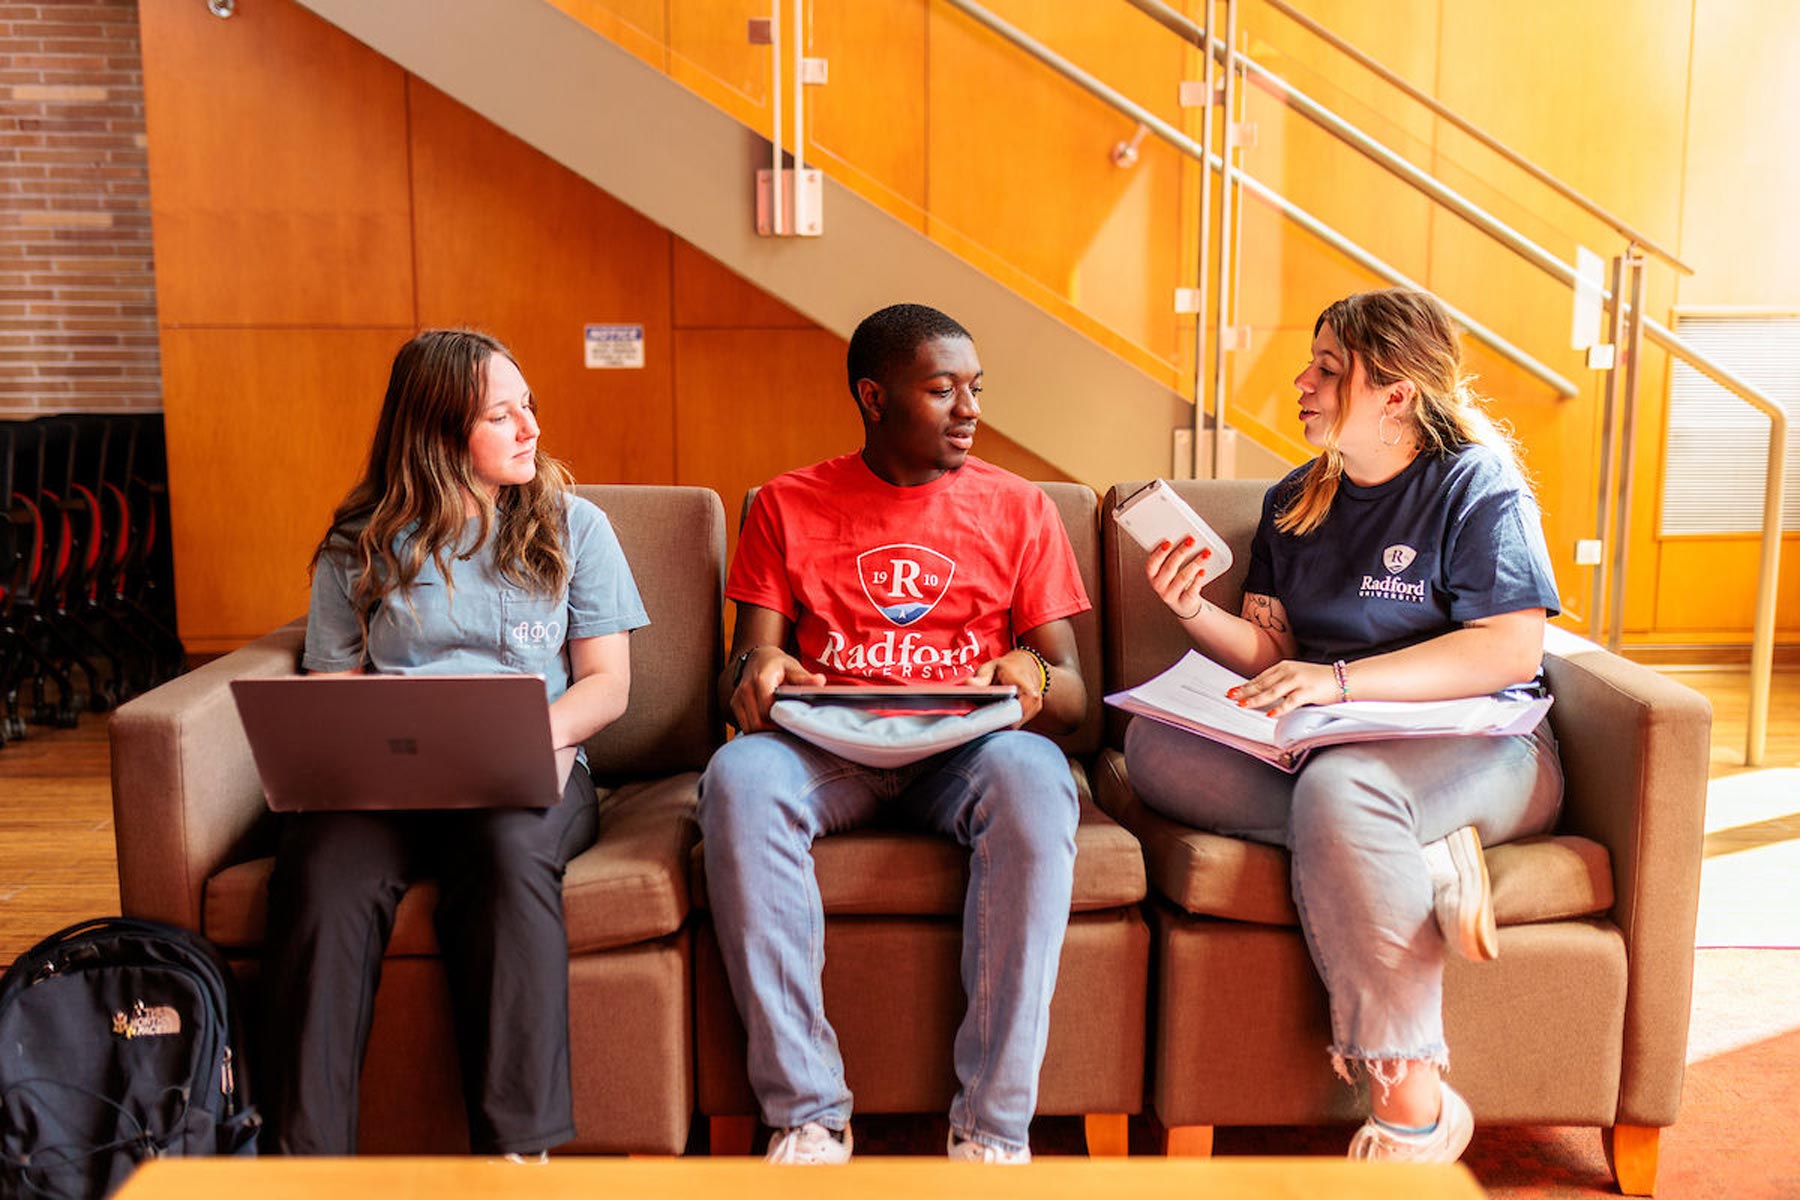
(77,291)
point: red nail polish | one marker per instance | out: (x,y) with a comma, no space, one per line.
(1188,540)
(1206,553)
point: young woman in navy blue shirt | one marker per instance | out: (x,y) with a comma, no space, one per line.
(1405,562)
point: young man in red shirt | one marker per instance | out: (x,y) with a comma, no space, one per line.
(908,562)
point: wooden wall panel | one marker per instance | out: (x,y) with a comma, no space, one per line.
(267,429)
(710,52)
(1594,92)
(1614,134)
(1401,34)
(709,295)
(1019,163)
(751,403)
(516,244)
(1707,587)
(1743,158)
(866,128)
(278,170)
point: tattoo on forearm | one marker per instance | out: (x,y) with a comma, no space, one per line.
(1261,612)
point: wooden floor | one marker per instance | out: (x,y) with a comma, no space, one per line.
(56,832)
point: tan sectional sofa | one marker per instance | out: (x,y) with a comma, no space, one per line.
(1582,1020)
(194,842)
(893,992)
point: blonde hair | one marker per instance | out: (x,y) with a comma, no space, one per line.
(1395,335)
(420,475)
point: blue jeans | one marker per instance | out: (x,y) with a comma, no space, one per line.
(1007,796)
(1353,819)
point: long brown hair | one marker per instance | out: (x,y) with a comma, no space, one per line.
(420,476)
(1393,335)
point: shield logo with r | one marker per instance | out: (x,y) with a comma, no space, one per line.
(904,581)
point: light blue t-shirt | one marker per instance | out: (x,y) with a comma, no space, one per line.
(1452,538)
(486,624)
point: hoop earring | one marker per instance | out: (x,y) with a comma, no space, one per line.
(1399,430)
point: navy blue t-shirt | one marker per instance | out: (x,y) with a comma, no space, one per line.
(1452,538)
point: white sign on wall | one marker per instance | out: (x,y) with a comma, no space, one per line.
(615,346)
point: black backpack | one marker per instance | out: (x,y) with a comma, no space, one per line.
(118,1043)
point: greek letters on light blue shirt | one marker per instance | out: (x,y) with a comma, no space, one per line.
(485,624)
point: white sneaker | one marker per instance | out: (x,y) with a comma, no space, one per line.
(973,1151)
(1461,897)
(810,1144)
(540,1159)
(1444,1144)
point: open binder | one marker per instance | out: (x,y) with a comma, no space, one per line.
(1191,695)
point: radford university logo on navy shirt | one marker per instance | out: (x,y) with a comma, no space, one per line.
(1395,558)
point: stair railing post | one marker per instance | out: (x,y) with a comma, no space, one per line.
(1228,175)
(1208,84)
(1609,412)
(1633,350)
(777,185)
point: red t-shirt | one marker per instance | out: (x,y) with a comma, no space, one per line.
(890,584)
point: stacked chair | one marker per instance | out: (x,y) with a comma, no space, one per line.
(1183,972)
(86,580)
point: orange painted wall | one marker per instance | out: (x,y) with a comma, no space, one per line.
(290,268)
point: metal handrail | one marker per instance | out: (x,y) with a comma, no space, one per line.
(1313,224)
(1374,150)
(1762,651)
(1493,143)
(1763,635)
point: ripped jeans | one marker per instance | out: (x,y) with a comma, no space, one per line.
(1353,819)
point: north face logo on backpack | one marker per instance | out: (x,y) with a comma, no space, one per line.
(160,1021)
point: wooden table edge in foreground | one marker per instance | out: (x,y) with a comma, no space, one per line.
(748,1179)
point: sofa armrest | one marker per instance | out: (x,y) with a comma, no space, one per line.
(186,798)
(1635,751)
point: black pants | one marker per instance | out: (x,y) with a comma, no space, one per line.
(338,878)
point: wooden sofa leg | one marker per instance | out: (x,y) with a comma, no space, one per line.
(1189,1141)
(730,1135)
(1108,1135)
(1631,1151)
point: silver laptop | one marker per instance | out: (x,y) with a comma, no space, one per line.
(401,742)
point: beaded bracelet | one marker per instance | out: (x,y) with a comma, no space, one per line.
(1343,680)
(1043,668)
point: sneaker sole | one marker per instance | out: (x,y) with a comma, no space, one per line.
(1477,934)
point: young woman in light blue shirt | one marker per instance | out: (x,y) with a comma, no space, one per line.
(461,550)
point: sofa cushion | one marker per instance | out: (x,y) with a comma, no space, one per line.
(884,871)
(1535,879)
(630,886)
